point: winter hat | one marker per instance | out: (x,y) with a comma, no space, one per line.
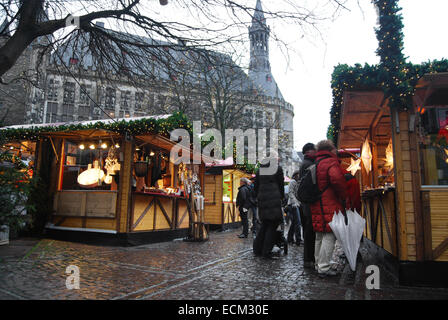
(307,147)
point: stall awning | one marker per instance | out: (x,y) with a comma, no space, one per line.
(363,112)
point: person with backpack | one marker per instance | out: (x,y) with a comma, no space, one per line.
(331,182)
(309,151)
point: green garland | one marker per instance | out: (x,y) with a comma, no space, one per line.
(394,76)
(132,127)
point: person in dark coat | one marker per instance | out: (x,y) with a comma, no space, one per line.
(269,189)
(243,202)
(309,152)
(330,180)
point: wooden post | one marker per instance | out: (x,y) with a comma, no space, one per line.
(124,189)
(399,199)
(407,182)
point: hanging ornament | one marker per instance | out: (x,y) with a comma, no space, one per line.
(389,156)
(355,165)
(366,156)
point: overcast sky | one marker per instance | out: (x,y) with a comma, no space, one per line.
(348,40)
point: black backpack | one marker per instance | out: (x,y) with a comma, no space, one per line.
(308,191)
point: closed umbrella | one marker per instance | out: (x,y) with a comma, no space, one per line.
(348,234)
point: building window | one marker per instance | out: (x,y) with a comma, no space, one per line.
(84,92)
(139,97)
(52,111)
(125,100)
(110,98)
(270,119)
(433,143)
(249,117)
(52,90)
(83,112)
(259,119)
(69,92)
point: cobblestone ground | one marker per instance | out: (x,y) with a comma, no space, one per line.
(223,268)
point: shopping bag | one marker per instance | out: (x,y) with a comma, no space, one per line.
(348,234)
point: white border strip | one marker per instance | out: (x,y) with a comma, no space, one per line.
(52,226)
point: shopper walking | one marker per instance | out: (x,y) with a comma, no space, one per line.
(269,189)
(243,204)
(253,208)
(331,182)
(294,233)
(309,152)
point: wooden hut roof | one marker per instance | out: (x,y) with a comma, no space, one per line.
(363,112)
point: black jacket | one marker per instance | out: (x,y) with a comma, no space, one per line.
(270,190)
(243,199)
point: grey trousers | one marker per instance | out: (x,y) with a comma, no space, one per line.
(323,250)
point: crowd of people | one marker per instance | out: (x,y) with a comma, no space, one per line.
(271,204)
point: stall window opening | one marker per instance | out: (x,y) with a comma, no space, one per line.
(91,165)
(433,143)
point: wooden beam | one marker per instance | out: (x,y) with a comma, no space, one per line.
(143,214)
(354,134)
(441,248)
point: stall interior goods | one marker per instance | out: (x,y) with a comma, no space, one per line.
(221,190)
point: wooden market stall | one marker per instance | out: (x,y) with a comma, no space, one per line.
(117,183)
(403,176)
(221,183)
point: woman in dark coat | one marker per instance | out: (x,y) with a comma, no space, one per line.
(269,189)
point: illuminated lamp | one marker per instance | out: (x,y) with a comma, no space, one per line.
(152,153)
(354,166)
(92,146)
(389,156)
(366,156)
(104,145)
(91,178)
(117,145)
(82,146)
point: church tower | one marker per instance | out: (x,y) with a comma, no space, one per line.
(259,41)
(259,65)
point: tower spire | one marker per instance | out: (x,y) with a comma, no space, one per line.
(259,41)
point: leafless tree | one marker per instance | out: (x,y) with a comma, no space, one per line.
(209,23)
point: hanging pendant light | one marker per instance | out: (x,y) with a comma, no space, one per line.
(354,166)
(389,156)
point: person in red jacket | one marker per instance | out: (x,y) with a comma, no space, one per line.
(330,180)
(353,200)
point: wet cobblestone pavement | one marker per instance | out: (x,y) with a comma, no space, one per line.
(223,268)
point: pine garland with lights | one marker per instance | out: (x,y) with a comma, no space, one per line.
(132,127)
